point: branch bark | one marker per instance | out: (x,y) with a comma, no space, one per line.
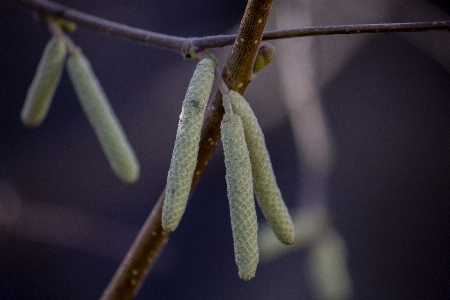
(180,44)
(48,8)
(237,74)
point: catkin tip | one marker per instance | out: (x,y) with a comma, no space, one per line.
(100,114)
(289,240)
(247,276)
(133,174)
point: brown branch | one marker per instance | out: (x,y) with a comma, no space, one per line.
(49,8)
(357,29)
(225,40)
(237,73)
(180,44)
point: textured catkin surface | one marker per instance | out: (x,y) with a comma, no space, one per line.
(45,81)
(185,151)
(240,196)
(102,118)
(264,182)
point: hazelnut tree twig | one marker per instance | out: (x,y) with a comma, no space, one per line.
(237,74)
(181,45)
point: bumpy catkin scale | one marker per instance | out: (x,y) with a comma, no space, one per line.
(45,81)
(96,106)
(185,151)
(240,196)
(264,182)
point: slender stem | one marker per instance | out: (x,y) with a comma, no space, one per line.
(49,8)
(57,31)
(180,44)
(152,238)
(218,41)
(357,29)
(224,90)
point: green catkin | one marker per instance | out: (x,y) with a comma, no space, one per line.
(327,261)
(96,106)
(185,151)
(45,81)
(264,182)
(240,195)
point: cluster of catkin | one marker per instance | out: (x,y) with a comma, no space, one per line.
(248,171)
(94,102)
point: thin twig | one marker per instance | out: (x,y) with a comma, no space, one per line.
(57,31)
(180,44)
(218,41)
(359,28)
(224,90)
(49,8)
(152,237)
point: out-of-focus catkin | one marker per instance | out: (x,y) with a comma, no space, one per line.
(264,182)
(327,261)
(240,195)
(102,118)
(45,81)
(184,156)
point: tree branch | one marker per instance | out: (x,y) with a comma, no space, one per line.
(180,44)
(49,8)
(357,29)
(237,73)
(218,41)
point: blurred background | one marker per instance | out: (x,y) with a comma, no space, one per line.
(358,129)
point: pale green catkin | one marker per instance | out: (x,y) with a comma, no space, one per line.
(185,151)
(264,182)
(327,261)
(45,81)
(240,195)
(96,106)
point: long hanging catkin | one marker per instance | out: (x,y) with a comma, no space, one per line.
(264,182)
(240,195)
(96,106)
(185,151)
(45,81)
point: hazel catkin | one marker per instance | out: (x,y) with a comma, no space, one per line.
(266,189)
(45,81)
(185,151)
(240,195)
(327,262)
(96,106)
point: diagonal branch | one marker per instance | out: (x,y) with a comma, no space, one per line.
(237,74)
(50,8)
(180,44)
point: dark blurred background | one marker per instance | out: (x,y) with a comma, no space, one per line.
(66,220)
